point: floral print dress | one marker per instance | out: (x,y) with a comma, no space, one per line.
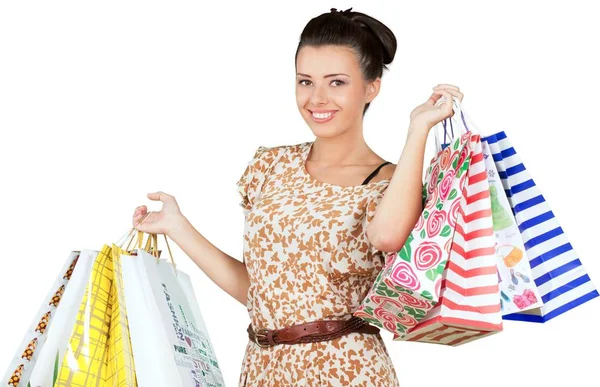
(308,258)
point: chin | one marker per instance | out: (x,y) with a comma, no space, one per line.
(324,133)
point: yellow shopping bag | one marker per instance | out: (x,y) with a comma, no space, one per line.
(99,351)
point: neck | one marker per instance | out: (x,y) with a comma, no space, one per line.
(342,150)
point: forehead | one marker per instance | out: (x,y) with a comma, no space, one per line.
(326,60)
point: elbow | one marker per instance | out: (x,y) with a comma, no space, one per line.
(390,240)
(381,241)
(388,245)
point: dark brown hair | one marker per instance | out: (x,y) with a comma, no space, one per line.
(373,42)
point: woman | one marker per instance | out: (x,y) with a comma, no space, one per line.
(313,243)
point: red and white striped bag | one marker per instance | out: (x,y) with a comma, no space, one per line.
(469,304)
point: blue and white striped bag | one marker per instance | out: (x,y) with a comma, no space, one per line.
(561,279)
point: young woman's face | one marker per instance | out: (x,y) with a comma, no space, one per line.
(330,90)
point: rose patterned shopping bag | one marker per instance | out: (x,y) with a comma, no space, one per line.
(469,301)
(409,284)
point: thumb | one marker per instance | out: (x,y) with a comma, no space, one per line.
(154,195)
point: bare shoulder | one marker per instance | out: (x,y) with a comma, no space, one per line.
(387,171)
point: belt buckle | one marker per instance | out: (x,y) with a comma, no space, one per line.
(262,333)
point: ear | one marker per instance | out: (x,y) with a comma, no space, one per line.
(373,89)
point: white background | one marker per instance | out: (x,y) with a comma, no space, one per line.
(102,103)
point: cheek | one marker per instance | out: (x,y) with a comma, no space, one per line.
(302,97)
(348,98)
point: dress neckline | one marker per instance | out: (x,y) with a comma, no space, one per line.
(307,146)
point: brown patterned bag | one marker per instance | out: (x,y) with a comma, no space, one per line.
(20,368)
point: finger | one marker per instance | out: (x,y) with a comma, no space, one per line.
(452,89)
(455,93)
(138,216)
(137,222)
(447,104)
(445,85)
(145,217)
(437,94)
(140,227)
(140,209)
(433,98)
(157,196)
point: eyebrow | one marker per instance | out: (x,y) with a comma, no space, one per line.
(326,76)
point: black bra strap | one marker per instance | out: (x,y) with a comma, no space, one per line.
(375,172)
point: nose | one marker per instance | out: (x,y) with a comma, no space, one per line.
(319,96)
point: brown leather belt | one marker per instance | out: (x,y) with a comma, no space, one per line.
(310,332)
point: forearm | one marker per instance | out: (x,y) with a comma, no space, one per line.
(224,270)
(401,205)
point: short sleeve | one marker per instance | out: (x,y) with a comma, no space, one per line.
(251,182)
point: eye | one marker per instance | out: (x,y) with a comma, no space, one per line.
(339,82)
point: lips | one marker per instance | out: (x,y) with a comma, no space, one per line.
(321,111)
(322,120)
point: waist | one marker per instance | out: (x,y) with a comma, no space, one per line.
(314,331)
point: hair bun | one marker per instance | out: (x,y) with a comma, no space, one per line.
(344,13)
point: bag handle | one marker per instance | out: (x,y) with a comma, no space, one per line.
(131,233)
(140,237)
(459,120)
(151,243)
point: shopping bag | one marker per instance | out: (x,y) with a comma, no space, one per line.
(409,284)
(20,368)
(51,354)
(469,303)
(99,349)
(518,292)
(165,321)
(143,325)
(558,274)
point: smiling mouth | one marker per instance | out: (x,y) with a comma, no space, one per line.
(322,117)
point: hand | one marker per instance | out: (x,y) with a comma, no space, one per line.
(427,115)
(162,222)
